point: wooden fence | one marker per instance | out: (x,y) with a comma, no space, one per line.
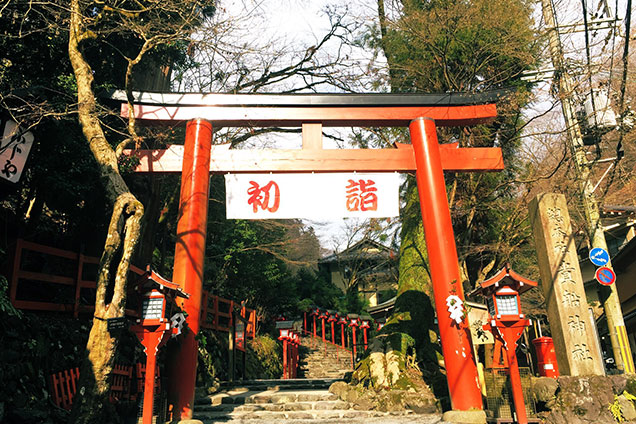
(125,386)
(216,314)
(46,278)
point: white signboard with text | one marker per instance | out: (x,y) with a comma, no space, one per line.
(15,146)
(312,196)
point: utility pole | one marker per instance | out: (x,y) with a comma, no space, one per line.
(612,305)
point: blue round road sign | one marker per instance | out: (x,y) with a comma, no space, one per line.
(599,257)
(605,276)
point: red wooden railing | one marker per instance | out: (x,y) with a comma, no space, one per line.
(76,281)
(216,312)
(64,384)
(121,383)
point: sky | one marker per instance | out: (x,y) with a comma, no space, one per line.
(298,24)
(294,25)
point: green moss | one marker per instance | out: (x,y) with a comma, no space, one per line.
(263,358)
(404,383)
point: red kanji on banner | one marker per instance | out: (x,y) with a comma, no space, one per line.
(361,196)
(260,197)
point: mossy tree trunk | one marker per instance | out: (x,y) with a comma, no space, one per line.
(406,339)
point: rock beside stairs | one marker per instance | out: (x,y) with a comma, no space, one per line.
(297,401)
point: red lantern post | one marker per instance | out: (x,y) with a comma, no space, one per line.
(364,326)
(323,316)
(315,311)
(157,320)
(353,323)
(342,321)
(295,355)
(507,323)
(333,317)
(285,329)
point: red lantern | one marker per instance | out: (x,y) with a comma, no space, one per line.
(507,323)
(285,329)
(381,323)
(354,322)
(315,311)
(333,318)
(323,316)
(156,322)
(342,321)
(364,326)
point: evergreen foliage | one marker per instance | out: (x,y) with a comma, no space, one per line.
(470,46)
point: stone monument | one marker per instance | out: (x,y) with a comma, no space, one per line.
(573,331)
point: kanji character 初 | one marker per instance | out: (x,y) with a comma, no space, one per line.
(260,197)
(361,195)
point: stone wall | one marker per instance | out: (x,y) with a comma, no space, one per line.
(585,400)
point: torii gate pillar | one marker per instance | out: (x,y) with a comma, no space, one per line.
(461,368)
(189,259)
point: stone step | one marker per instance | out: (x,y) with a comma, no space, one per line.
(295,406)
(323,405)
(242,396)
(271,417)
(293,383)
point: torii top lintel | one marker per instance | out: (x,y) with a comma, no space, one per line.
(312,112)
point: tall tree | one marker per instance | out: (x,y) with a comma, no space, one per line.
(147,26)
(117,44)
(440,46)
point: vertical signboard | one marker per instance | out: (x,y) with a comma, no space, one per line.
(15,146)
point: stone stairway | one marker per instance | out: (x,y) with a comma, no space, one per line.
(294,401)
(323,360)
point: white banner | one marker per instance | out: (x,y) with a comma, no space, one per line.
(312,196)
(15,146)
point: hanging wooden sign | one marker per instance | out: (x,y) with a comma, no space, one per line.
(312,196)
(15,146)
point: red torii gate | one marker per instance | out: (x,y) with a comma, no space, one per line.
(421,113)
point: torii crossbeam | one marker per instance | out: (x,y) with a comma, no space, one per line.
(311,112)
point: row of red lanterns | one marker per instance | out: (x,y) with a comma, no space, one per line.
(290,338)
(291,342)
(354,321)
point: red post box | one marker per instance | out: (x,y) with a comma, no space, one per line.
(546,357)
